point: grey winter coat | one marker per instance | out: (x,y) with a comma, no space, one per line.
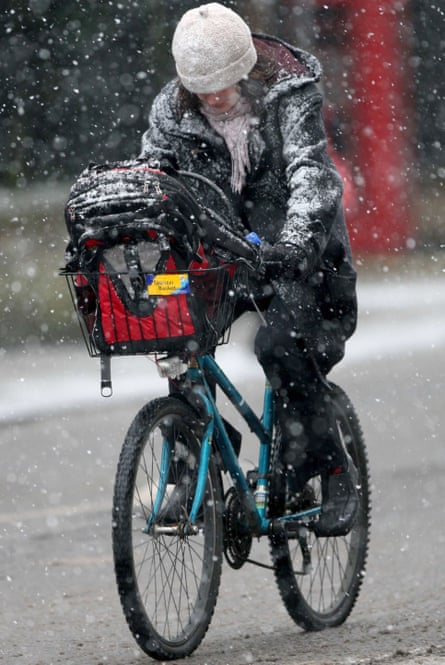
(293,192)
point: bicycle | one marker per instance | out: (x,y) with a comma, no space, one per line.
(173,521)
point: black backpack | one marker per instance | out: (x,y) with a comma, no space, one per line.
(128,222)
(109,199)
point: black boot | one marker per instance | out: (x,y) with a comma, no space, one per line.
(340,501)
(312,446)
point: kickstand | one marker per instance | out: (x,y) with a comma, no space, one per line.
(106,388)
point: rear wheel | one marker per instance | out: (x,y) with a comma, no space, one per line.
(320,578)
(168,578)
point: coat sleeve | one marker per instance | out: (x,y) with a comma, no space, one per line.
(314,185)
(157,140)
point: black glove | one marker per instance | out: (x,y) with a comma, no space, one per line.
(283,260)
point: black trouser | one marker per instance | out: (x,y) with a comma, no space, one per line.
(297,349)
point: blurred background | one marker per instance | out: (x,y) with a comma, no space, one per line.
(78,78)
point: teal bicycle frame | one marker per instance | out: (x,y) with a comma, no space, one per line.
(255,502)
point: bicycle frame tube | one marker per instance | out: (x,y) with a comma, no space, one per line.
(262,428)
(206,449)
(228,455)
(255,503)
(165,461)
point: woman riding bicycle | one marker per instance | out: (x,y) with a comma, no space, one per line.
(246,112)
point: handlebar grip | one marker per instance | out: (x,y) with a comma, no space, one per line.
(219,235)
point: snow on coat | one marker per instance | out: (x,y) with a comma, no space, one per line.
(293,192)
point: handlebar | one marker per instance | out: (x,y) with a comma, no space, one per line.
(195,223)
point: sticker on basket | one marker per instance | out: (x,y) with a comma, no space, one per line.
(167,285)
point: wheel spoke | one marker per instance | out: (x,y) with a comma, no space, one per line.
(170,598)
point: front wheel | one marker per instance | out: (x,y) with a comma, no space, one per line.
(320,578)
(168,577)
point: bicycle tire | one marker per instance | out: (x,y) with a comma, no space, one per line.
(168,584)
(324,596)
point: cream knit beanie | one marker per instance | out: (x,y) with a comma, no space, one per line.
(213,48)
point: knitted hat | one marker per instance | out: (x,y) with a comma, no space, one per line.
(213,48)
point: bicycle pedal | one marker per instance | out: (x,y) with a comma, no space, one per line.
(296,529)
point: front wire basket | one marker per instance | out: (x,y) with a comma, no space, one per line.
(181,312)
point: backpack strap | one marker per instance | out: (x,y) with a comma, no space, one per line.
(135,272)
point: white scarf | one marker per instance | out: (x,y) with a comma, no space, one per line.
(234,127)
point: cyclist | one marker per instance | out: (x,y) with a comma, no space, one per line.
(246,112)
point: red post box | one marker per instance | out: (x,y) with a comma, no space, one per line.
(372,48)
